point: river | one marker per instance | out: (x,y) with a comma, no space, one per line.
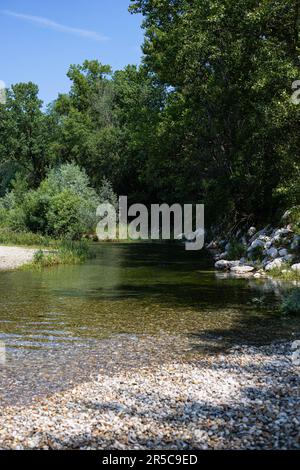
(131,304)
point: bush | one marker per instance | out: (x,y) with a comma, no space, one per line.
(64,205)
(291,302)
(257,253)
(35,208)
(64,217)
(294,218)
(236,250)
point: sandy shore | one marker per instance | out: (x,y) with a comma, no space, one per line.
(14,257)
(246,399)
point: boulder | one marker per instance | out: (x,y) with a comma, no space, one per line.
(282,232)
(224,265)
(264,231)
(283,252)
(296,268)
(242,269)
(272,252)
(264,238)
(255,244)
(296,345)
(252,231)
(278,263)
(295,243)
(288,258)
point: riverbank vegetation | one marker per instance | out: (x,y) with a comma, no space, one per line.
(207,117)
(65,252)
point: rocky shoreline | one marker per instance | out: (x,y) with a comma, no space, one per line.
(259,253)
(246,399)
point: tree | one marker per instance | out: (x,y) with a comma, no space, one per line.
(26,133)
(230,64)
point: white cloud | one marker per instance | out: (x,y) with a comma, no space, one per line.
(46,23)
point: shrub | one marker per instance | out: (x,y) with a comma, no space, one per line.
(64,216)
(291,302)
(35,208)
(257,253)
(107,194)
(294,218)
(64,205)
(236,250)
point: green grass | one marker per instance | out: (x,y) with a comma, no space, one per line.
(289,275)
(51,252)
(11,238)
(67,252)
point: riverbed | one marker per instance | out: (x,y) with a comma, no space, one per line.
(132,306)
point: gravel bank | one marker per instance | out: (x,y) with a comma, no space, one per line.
(247,399)
(14,257)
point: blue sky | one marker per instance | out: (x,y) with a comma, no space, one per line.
(40,39)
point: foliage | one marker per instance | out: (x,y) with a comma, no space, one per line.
(107,194)
(64,215)
(63,206)
(236,250)
(257,253)
(67,252)
(9,237)
(26,134)
(231,65)
(207,117)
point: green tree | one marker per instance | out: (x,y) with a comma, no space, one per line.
(230,65)
(26,134)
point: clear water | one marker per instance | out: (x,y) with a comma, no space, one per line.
(133,304)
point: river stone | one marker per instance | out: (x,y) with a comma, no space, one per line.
(276,264)
(296,267)
(283,252)
(224,265)
(289,258)
(255,244)
(242,269)
(296,345)
(295,243)
(264,238)
(272,252)
(283,232)
(251,231)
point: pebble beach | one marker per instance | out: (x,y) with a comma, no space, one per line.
(12,257)
(248,398)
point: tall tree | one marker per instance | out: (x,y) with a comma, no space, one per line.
(26,133)
(230,64)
